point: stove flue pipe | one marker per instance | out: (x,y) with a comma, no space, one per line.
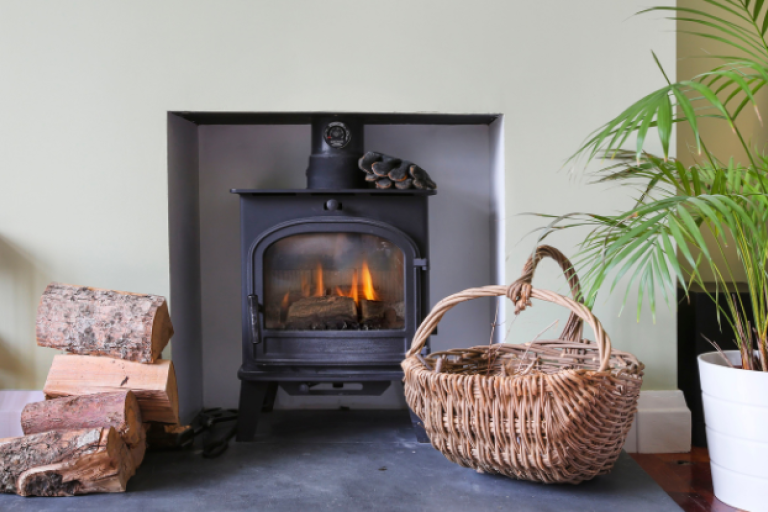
(337,145)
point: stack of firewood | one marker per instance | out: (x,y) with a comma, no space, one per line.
(90,434)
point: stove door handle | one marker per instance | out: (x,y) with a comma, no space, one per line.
(254,309)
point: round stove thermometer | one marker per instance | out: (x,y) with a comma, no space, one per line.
(337,135)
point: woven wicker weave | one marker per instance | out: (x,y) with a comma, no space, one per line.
(553,411)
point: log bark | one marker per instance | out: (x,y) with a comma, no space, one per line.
(328,306)
(65,463)
(92,321)
(153,384)
(118,409)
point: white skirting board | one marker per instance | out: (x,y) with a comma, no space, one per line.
(11,405)
(662,424)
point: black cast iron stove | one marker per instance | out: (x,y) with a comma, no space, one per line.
(335,279)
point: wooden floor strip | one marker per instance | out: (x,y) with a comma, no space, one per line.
(686,477)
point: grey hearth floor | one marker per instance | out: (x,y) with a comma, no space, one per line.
(307,461)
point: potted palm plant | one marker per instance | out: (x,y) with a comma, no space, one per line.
(662,241)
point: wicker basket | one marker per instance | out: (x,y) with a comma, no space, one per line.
(553,411)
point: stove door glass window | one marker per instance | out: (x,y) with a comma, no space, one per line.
(334,281)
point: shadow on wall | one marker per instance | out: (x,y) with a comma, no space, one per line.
(22,364)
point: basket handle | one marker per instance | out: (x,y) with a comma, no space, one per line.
(519,292)
(580,311)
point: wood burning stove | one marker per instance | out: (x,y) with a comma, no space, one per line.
(335,278)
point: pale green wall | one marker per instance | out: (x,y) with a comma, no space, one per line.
(87,84)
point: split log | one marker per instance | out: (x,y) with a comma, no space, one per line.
(370,309)
(381,314)
(139,449)
(327,307)
(119,409)
(153,384)
(65,463)
(385,171)
(377,308)
(92,321)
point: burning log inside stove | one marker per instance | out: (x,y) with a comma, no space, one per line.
(381,314)
(336,312)
(339,298)
(326,312)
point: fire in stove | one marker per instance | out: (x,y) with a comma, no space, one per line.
(326,286)
(334,282)
(354,291)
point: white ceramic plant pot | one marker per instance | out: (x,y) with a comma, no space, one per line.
(736,416)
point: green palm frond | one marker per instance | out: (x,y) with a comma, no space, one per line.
(658,244)
(675,203)
(722,93)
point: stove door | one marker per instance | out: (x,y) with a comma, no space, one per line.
(333,291)
(335,282)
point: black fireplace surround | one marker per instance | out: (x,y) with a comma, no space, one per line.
(359,254)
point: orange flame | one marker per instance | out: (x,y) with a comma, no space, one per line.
(368,291)
(353,290)
(319,288)
(284,305)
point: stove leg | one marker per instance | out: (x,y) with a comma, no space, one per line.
(418,428)
(269,399)
(252,396)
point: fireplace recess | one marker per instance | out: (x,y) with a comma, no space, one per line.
(335,278)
